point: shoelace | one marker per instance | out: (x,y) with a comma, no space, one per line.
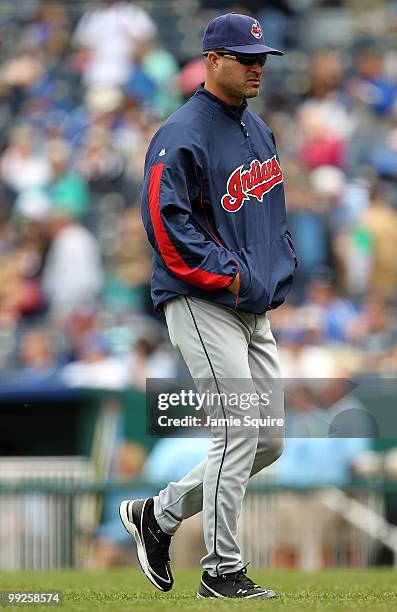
(242,578)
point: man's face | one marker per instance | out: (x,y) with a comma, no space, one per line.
(238,80)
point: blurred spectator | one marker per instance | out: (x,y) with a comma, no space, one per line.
(103,101)
(50,29)
(385,157)
(100,163)
(109,37)
(7,228)
(130,134)
(24,70)
(326,94)
(329,185)
(32,205)
(380,223)
(326,74)
(37,360)
(369,86)
(302,354)
(95,367)
(22,258)
(19,295)
(137,160)
(128,263)
(334,313)
(66,184)
(161,68)
(72,275)
(147,362)
(375,332)
(23,165)
(320,145)
(353,247)
(31,210)
(141,88)
(373,99)
(190,77)
(77,328)
(308,222)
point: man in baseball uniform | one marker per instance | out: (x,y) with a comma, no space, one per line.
(214,211)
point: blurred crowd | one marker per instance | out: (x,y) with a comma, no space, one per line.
(81,93)
(82,90)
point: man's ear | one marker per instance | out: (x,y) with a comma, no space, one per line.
(213,60)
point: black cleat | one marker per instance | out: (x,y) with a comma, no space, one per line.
(236,585)
(152,543)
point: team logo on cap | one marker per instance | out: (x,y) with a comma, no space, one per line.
(253,183)
(256,30)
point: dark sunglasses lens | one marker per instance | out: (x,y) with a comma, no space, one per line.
(251,60)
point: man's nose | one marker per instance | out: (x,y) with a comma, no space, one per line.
(257,67)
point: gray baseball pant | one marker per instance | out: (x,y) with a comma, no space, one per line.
(220,343)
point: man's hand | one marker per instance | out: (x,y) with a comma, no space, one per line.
(234,286)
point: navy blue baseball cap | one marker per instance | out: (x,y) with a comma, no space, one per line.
(238,33)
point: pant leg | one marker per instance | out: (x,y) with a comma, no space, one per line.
(213,341)
(184,498)
(264,366)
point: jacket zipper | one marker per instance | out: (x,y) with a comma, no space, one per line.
(244,128)
(246,134)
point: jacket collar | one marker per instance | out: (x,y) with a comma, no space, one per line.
(235,112)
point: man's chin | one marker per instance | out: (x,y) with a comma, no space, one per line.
(252,92)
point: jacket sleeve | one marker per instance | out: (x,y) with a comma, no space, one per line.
(170,188)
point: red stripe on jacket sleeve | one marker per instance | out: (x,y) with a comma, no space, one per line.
(173,260)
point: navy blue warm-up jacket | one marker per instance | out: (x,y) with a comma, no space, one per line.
(213,204)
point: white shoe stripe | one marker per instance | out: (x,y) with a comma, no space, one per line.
(257,595)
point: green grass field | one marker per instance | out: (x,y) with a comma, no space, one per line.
(128,589)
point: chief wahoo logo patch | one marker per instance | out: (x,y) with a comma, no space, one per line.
(256,30)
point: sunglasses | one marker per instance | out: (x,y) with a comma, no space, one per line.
(246,60)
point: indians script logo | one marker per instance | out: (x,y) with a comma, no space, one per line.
(255,182)
(256,30)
